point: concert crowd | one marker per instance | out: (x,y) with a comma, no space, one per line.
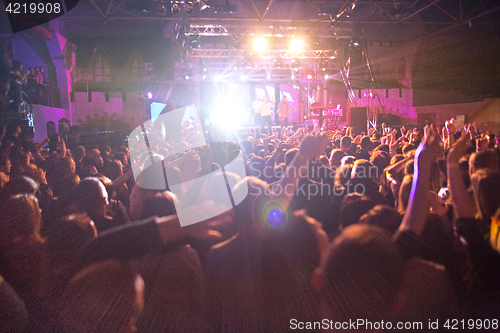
(390,225)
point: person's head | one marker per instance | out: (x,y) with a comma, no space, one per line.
(364,169)
(366,143)
(345,143)
(264,99)
(113,169)
(17,65)
(336,158)
(348,159)
(396,158)
(324,161)
(486,159)
(79,153)
(380,162)
(20,219)
(407,149)
(159,204)
(343,174)
(354,205)
(361,274)
(19,185)
(284,99)
(66,166)
(485,184)
(123,149)
(384,147)
(120,156)
(90,196)
(5,164)
(384,217)
(104,297)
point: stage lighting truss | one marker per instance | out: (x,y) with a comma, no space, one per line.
(268,31)
(269,54)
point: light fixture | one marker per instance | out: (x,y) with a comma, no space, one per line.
(260,44)
(194,42)
(175,9)
(309,76)
(278,63)
(237,42)
(296,44)
(295,63)
(269,76)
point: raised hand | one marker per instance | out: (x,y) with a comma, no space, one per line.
(429,149)
(313,145)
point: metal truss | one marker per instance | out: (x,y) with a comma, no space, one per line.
(268,31)
(269,54)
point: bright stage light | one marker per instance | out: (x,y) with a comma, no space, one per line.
(296,44)
(326,77)
(268,76)
(218,78)
(243,78)
(150,95)
(260,44)
(227,113)
(309,76)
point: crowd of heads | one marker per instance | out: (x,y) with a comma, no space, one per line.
(339,253)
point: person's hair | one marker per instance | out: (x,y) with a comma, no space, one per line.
(122,149)
(19,185)
(380,162)
(486,159)
(408,148)
(16,64)
(79,152)
(354,205)
(324,161)
(362,273)
(113,169)
(120,156)
(383,216)
(343,174)
(63,165)
(396,158)
(485,184)
(104,297)
(20,218)
(63,189)
(364,169)
(384,147)
(348,159)
(88,194)
(345,142)
(336,158)
(159,204)
(366,142)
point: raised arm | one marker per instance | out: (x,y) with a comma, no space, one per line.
(461,199)
(416,214)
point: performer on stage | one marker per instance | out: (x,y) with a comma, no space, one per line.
(265,113)
(283,112)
